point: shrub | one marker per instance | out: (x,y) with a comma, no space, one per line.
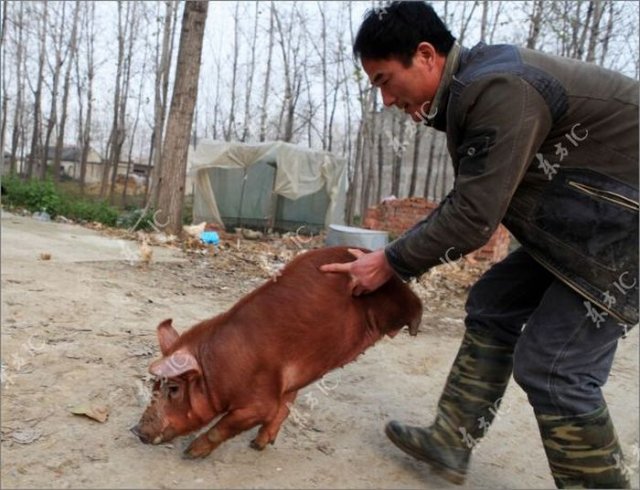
(35,195)
(38,195)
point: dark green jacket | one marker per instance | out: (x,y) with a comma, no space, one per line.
(549,147)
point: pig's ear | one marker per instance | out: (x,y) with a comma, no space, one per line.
(177,364)
(167,336)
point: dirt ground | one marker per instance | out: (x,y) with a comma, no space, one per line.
(78,329)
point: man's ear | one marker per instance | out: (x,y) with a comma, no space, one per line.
(167,336)
(427,53)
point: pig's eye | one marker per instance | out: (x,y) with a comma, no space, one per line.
(173,390)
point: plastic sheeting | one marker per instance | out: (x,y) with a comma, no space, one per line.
(299,172)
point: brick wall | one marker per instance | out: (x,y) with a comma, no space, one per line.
(398,215)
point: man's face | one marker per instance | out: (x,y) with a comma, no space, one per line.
(410,89)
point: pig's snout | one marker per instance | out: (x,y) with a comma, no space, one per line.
(141,435)
(145,437)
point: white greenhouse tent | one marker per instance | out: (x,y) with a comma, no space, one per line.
(273,185)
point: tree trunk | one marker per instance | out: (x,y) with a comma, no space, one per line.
(398,155)
(536,24)
(163,73)
(417,139)
(607,37)
(185,93)
(114,136)
(3,68)
(267,76)
(131,29)
(380,169)
(595,31)
(18,123)
(484,21)
(53,112)
(252,64)
(71,54)
(132,136)
(86,140)
(431,162)
(230,133)
(36,134)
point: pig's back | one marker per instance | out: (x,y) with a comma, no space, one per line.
(305,322)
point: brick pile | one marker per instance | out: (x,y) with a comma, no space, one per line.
(398,215)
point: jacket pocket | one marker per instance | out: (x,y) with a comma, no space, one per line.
(593,215)
(608,196)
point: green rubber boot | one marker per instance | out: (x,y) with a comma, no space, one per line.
(583,450)
(466,408)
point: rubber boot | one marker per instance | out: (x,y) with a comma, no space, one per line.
(583,450)
(466,408)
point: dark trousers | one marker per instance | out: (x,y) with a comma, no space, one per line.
(563,349)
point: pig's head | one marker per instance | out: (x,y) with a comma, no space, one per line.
(179,402)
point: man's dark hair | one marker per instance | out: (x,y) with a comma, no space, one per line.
(395,30)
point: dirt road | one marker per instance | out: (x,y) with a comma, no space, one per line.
(80,329)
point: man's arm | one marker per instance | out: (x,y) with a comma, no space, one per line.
(505,121)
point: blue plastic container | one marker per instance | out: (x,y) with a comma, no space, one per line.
(210,237)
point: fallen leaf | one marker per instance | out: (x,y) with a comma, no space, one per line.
(95,412)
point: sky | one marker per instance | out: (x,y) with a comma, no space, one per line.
(218,49)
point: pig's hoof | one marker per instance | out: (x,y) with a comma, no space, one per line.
(199,448)
(256,445)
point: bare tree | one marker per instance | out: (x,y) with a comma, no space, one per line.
(431,163)
(71,53)
(608,33)
(3,67)
(185,92)
(292,72)
(417,139)
(498,10)
(36,147)
(116,136)
(369,163)
(594,33)
(85,135)
(57,39)
(230,131)
(17,133)
(132,135)
(267,75)
(484,21)
(164,54)
(127,35)
(131,33)
(536,24)
(340,80)
(465,19)
(396,173)
(251,68)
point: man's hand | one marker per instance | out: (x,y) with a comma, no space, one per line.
(368,272)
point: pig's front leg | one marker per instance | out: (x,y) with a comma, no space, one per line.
(227,427)
(269,430)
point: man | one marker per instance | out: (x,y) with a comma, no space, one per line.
(549,147)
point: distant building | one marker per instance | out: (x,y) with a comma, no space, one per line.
(70,165)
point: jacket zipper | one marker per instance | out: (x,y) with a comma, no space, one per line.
(613,197)
(578,290)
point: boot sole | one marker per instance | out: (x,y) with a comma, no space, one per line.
(451,475)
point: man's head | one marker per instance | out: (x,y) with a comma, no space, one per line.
(403,49)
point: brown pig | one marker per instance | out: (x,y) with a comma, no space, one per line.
(247,364)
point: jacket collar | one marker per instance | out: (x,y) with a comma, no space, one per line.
(439,102)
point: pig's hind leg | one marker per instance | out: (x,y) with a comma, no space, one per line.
(269,430)
(230,425)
